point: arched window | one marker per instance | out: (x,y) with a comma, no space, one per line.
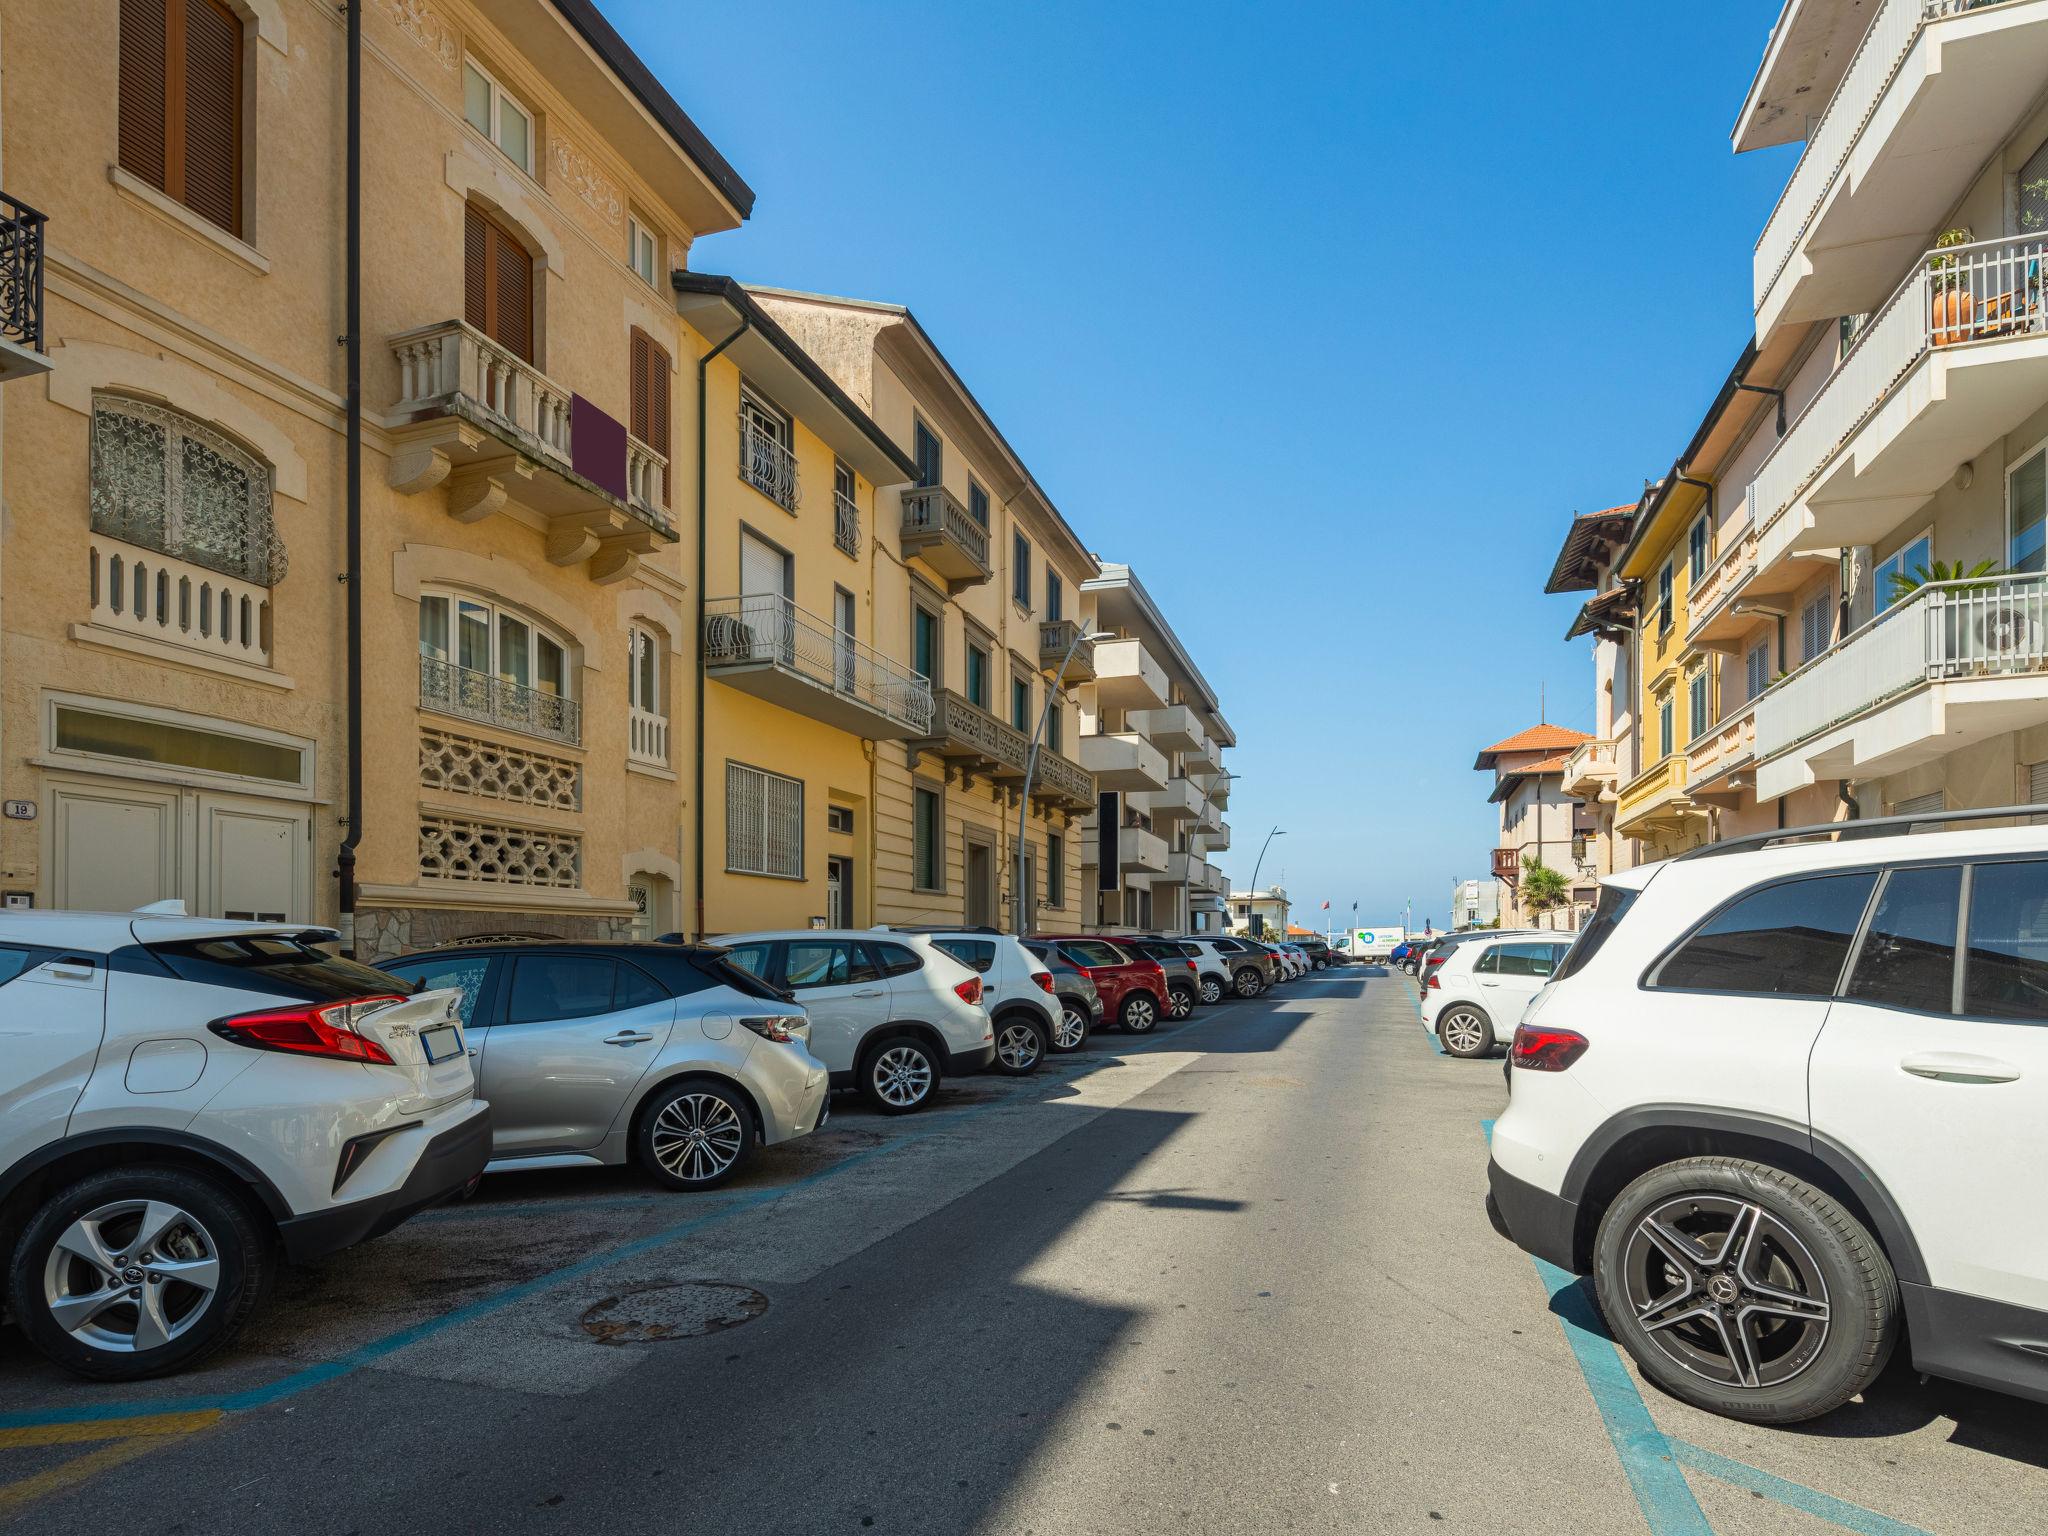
(167,483)
(647,696)
(487,662)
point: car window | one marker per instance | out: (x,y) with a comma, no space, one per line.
(1087,952)
(1489,963)
(636,989)
(897,959)
(1789,938)
(1527,959)
(1908,959)
(559,987)
(2006,973)
(976,954)
(816,963)
(465,971)
(1613,905)
(1190,951)
(283,963)
(15,959)
(751,958)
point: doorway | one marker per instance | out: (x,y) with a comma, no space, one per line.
(981,882)
(116,847)
(839,912)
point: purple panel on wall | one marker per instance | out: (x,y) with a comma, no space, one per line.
(597,444)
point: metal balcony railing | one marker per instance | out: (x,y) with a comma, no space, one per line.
(932,512)
(21,273)
(767,464)
(742,630)
(454,690)
(845,523)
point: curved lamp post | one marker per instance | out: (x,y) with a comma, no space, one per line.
(1223,777)
(1020,895)
(1254,891)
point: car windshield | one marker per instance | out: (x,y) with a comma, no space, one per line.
(286,964)
(1094,952)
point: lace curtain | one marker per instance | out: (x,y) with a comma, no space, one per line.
(167,483)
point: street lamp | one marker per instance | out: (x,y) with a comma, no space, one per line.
(1020,895)
(1254,893)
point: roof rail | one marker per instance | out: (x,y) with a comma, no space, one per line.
(1875,826)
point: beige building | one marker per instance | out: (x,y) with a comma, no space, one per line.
(1538,820)
(1262,912)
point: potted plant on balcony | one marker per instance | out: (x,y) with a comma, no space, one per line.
(1953,303)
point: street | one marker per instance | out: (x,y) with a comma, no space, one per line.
(1234,1276)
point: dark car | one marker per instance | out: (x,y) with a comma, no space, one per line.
(1319,953)
(1247,954)
(1075,991)
(1133,986)
(1183,975)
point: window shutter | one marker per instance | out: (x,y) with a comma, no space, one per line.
(212,115)
(513,272)
(475,269)
(143,55)
(636,412)
(658,409)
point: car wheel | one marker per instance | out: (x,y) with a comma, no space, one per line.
(1180,1002)
(695,1135)
(899,1075)
(137,1272)
(1249,983)
(1745,1291)
(1212,990)
(1071,1032)
(1140,1013)
(1020,1047)
(1465,1031)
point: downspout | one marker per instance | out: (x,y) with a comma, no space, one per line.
(352,574)
(703,518)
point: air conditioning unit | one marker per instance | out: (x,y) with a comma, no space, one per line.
(728,639)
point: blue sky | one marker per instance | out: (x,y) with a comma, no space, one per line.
(1324,317)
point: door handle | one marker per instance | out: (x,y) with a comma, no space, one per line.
(870,992)
(627,1037)
(1960,1067)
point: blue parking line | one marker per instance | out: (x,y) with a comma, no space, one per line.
(1850,1517)
(1428,1033)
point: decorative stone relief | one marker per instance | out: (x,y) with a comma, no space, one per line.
(425,26)
(581,176)
(465,766)
(458,848)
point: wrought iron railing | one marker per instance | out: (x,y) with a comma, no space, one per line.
(454,690)
(21,272)
(932,511)
(741,631)
(957,722)
(845,523)
(767,464)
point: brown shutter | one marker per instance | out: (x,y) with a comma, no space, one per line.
(636,386)
(142,90)
(657,409)
(212,113)
(512,300)
(475,269)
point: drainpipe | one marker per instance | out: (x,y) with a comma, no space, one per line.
(703,520)
(352,575)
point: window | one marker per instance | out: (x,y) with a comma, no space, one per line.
(839,818)
(163,481)
(644,689)
(928,848)
(1756,668)
(2033,193)
(466,972)
(14,960)
(1908,958)
(764,823)
(1911,561)
(283,964)
(181,104)
(1092,952)
(1696,550)
(845,508)
(496,114)
(930,456)
(1847,329)
(977,503)
(2026,512)
(643,250)
(1816,624)
(1615,900)
(896,959)
(1055,870)
(1525,959)
(1789,939)
(1054,730)
(1020,569)
(139,738)
(1921,805)
(977,676)
(637,989)
(480,637)
(1696,701)
(924,644)
(2005,974)
(1020,705)
(497,283)
(547,987)
(1055,596)
(827,963)
(647,414)
(976,954)
(767,457)
(1666,741)
(751,958)
(1664,600)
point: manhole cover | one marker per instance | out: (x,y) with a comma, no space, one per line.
(689,1309)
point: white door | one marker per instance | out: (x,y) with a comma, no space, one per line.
(841,989)
(1949,1109)
(51,1015)
(764,586)
(115,847)
(253,861)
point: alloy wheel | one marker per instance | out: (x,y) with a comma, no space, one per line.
(1726,1290)
(131,1276)
(1140,1014)
(697,1136)
(902,1075)
(1212,990)
(1179,1004)
(1071,1030)
(1018,1047)
(1463,1032)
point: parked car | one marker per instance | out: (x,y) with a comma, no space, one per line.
(1440,953)
(1290,965)
(892,1014)
(1304,962)
(1474,1000)
(1133,986)
(1216,966)
(1783,1101)
(181,1099)
(1080,1000)
(1017,992)
(1320,956)
(1183,975)
(1254,968)
(605,1054)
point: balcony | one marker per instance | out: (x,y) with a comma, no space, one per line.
(1954,664)
(1719,759)
(1195,872)
(1062,641)
(448,689)
(1591,770)
(1507,864)
(647,738)
(140,595)
(1139,852)
(490,430)
(845,524)
(1216,840)
(1656,801)
(1954,361)
(1215,785)
(973,741)
(1179,801)
(1172,729)
(774,650)
(1126,676)
(1204,757)
(21,290)
(945,536)
(1125,761)
(767,464)
(1934,87)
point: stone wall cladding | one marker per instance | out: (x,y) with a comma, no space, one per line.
(384,933)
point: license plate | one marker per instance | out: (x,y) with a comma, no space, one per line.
(441,1044)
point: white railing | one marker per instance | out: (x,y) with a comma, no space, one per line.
(1964,293)
(646,476)
(767,465)
(744,630)
(456,690)
(647,738)
(437,363)
(1996,626)
(141,592)
(845,523)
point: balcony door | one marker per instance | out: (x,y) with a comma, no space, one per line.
(981,883)
(497,288)
(843,614)
(765,586)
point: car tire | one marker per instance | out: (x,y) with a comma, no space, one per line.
(1139,1013)
(1021,1046)
(1180,1003)
(209,1265)
(1805,1307)
(899,1074)
(1071,1033)
(694,1135)
(1212,990)
(1248,982)
(1466,1031)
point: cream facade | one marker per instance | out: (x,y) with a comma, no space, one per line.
(1262,912)
(1539,822)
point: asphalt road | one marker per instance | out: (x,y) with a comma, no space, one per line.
(1231,1277)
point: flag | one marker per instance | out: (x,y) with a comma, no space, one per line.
(1326,906)
(1354,906)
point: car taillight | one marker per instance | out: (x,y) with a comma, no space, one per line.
(1434,983)
(1546,1050)
(310,1029)
(784,1028)
(1044,980)
(969,991)
(1191,965)
(1157,969)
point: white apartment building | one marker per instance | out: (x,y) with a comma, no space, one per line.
(1474,904)
(1153,737)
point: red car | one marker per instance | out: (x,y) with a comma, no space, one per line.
(1133,988)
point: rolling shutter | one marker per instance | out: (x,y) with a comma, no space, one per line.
(497,283)
(212,113)
(636,412)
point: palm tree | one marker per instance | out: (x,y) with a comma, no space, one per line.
(1543,887)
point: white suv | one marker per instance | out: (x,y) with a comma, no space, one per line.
(1017,993)
(891,1013)
(1785,1098)
(1474,1000)
(181,1097)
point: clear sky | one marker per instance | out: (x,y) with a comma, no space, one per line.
(1324,317)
